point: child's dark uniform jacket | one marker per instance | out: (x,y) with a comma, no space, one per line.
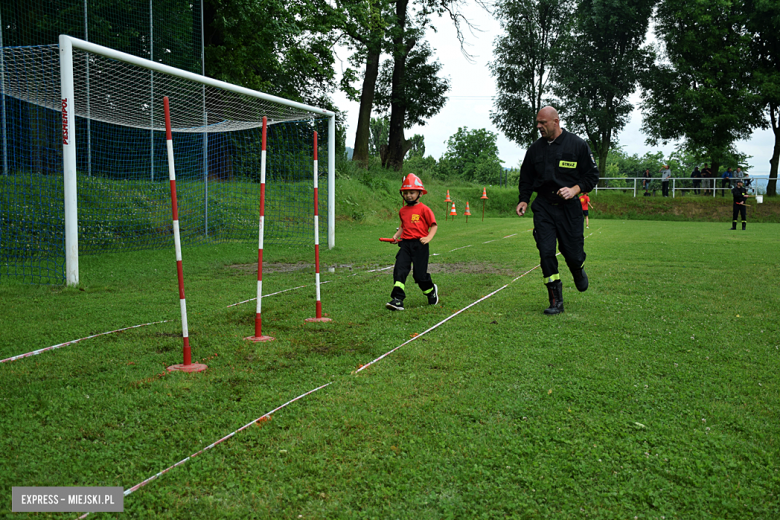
(416,220)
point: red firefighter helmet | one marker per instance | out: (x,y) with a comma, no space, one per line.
(413,182)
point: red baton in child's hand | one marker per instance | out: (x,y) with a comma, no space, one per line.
(386,240)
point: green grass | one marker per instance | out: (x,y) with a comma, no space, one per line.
(655,395)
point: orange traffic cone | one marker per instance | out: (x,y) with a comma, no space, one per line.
(448,199)
(453,212)
(483,197)
(467,213)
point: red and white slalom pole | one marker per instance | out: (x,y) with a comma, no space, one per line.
(188,365)
(261,231)
(317,239)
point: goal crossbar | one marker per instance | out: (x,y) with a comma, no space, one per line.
(224,107)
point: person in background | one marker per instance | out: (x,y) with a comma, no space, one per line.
(585,201)
(747,181)
(725,181)
(646,179)
(696,176)
(706,174)
(666,174)
(740,196)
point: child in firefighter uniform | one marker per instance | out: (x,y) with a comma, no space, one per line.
(418,227)
(739,192)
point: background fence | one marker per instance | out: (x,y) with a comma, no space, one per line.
(682,186)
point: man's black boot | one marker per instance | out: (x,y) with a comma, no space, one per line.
(744,225)
(734,226)
(555,293)
(580,279)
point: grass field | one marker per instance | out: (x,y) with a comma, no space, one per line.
(655,395)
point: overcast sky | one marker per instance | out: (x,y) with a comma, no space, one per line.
(470,100)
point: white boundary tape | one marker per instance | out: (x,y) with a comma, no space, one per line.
(213,444)
(448,318)
(442,322)
(36,352)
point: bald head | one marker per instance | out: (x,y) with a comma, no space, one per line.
(548,123)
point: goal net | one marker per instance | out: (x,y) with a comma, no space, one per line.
(99,112)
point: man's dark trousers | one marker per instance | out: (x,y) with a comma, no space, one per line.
(739,210)
(561,223)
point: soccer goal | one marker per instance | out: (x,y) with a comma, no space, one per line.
(104,109)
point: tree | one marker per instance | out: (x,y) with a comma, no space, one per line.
(699,93)
(524,56)
(763,24)
(423,95)
(417,146)
(365,23)
(282,48)
(379,127)
(404,35)
(600,68)
(473,155)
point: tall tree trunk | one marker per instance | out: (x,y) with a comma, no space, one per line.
(401,48)
(771,187)
(715,166)
(603,152)
(363,132)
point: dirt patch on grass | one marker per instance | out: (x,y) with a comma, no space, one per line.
(470,268)
(278,267)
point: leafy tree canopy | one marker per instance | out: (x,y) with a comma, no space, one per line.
(536,32)
(424,92)
(600,68)
(701,93)
(279,47)
(472,155)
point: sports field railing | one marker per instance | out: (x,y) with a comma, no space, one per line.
(756,185)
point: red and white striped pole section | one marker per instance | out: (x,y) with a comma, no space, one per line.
(317,239)
(258,319)
(188,365)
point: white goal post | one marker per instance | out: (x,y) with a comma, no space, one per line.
(220,106)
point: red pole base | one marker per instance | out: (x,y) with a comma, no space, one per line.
(192,367)
(259,338)
(318,319)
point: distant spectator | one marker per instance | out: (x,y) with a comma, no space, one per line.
(740,196)
(706,174)
(725,181)
(748,181)
(666,174)
(585,201)
(696,176)
(646,178)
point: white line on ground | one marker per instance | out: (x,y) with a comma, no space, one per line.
(36,352)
